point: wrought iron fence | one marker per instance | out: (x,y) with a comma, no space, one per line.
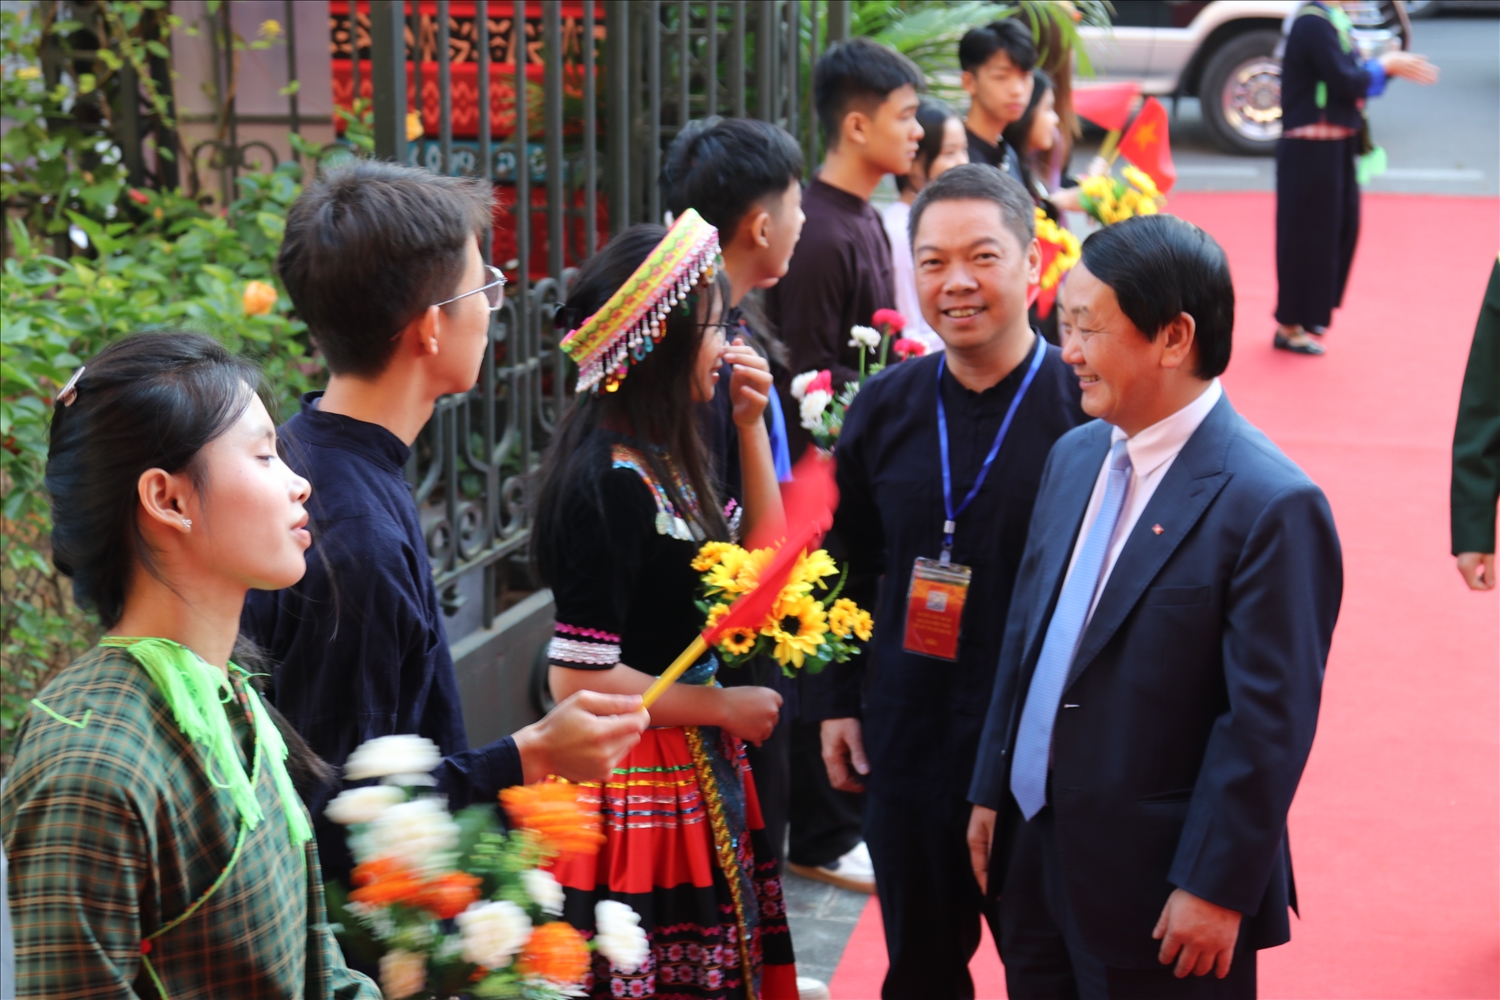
(427,68)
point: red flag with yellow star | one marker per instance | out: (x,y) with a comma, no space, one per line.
(1146,145)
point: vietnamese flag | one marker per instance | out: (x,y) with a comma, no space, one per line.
(1146,145)
(1106,105)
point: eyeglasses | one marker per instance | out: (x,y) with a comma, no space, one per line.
(494,290)
(726,329)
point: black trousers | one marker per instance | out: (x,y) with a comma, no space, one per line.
(1044,954)
(1317,227)
(929,901)
(825,822)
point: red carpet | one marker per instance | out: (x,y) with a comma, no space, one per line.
(1396,827)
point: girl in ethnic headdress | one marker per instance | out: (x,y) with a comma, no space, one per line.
(626,501)
(157,842)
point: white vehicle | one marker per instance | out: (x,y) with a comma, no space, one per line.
(1224,53)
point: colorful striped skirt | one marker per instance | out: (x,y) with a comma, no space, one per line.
(686,849)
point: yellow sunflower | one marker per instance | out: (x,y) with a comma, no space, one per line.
(747,573)
(738,641)
(726,575)
(712,554)
(1142,180)
(845,617)
(715,613)
(797,625)
(811,568)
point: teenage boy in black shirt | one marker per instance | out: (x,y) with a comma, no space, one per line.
(939,464)
(997,62)
(383,264)
(865,96)
(866,99)
(744,177)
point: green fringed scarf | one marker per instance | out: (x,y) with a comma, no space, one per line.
(197,692)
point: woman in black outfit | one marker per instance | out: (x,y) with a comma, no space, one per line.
(1324,85)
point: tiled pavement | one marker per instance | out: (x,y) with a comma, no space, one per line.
(822,917)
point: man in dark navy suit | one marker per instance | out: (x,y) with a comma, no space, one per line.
(1163,656)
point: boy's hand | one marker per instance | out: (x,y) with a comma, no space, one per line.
(750,384)
(583,738)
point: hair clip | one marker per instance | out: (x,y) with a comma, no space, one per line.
(69,392)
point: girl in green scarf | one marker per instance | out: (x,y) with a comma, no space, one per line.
(157,842)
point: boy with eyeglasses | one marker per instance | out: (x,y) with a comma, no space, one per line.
(383,264)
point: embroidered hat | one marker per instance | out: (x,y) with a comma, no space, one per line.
(632,322)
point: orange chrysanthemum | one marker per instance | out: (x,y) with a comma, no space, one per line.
(446,896)
(383,882)
(553,811)
(556,952)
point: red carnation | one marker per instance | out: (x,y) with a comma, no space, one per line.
(890,319)
(909,348)
(823,381)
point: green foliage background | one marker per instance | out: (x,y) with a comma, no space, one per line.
(140,260)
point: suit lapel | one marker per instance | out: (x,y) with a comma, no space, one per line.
(1190,486)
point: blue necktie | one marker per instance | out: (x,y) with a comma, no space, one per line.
(1028,773)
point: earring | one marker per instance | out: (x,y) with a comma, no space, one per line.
(187,522)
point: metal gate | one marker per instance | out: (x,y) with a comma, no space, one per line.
(566,71)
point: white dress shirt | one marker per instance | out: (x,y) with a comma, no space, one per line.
(1152,453)
(904,276)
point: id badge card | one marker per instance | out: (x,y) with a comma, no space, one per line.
(935,607)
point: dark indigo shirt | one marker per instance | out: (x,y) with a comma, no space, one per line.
(839,275)
(1314,55)
(922,715)
(358,643)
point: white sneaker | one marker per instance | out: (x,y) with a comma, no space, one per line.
(854,871)
(812,989)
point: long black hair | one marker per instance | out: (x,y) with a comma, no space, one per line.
(149,401)
(932,115)
(654,405)
(1018,133)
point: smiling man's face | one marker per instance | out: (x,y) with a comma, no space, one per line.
(972,271)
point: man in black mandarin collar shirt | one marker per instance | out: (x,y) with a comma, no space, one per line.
(909,723)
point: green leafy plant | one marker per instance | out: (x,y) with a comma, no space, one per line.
(89,259)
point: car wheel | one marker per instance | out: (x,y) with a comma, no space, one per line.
(1421,8)
(1241,94)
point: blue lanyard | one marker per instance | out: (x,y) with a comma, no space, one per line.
(950,525)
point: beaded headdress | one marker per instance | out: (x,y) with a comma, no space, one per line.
(632,322)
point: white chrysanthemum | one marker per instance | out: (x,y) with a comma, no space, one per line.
(493,933)
(813,405)
(402,973)
(618,935)
(392,755)
(419,834)
(799,384)
(544,890)
(864,336)
(362,805)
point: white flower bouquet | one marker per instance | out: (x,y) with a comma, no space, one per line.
(452,906)
(820,407)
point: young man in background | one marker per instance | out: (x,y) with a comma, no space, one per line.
(997,62)
(866,100)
